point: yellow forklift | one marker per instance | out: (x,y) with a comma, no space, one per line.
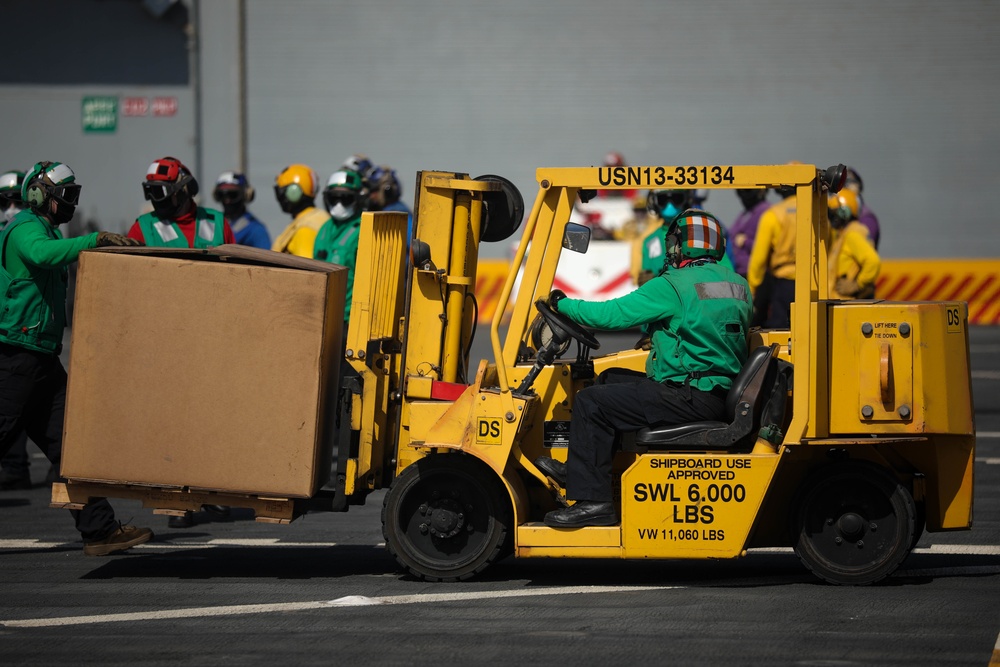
(846,436)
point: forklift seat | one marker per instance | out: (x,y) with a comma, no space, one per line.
(745,402)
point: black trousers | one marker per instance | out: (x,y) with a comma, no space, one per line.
(779,314)
(624,401)
(33,399)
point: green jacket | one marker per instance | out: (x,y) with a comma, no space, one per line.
(33,277)
(337,242)
(698,319)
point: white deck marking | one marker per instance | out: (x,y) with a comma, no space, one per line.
(265,542)
(348,601)
(985,375)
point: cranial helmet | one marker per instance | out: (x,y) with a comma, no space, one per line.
(696,234)
(614,159)
(233,187)
(842,207)
(344,195)
(51,181)
(358,162)
(383,186)
(668,204)
(169,186)
(10,186)
(295,187)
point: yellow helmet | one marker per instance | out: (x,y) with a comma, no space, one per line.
(295,187)
(842,207)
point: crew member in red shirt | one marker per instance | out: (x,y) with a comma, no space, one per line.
(176,221)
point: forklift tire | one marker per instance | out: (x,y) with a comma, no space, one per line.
(446,517)
(854,523)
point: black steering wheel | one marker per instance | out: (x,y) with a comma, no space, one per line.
(564,328)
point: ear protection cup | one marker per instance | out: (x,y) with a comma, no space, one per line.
(36,196)
(250,193)
(293,193)
(192,187)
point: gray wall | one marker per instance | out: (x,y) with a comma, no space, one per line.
(904,91)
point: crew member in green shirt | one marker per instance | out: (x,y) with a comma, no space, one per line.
(697,315)
(33,261)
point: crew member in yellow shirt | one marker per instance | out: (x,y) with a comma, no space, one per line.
(771,271)
(296,188)
(854,262)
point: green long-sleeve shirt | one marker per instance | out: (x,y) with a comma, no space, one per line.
(38,245)
(698,318)
(33,281)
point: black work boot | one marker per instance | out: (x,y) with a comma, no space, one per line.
(583,513)
(554,469)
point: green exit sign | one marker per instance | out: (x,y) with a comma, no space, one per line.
(100,113)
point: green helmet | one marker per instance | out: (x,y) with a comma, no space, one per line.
(345,195)
(10,185)
(50,180)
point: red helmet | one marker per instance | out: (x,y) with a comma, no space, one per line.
(614,160)
(166,176)
(169,186)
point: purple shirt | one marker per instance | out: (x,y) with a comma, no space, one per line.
(745,224)
(867,218)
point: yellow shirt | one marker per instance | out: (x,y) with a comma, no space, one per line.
(299,237)
(853,256)
(774,246)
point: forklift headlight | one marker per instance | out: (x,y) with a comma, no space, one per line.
(420,254)
(835,177)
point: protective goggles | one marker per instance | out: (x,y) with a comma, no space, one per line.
(68,194)
(229,195)
(157,191)
(347,199)
(659,200)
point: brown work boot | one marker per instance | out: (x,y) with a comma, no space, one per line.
(123,537)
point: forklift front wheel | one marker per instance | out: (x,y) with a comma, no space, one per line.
(446,517)
(855,523)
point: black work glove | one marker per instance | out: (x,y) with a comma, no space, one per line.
(106,239)
(555,296)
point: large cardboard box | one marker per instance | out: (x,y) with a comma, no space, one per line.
(214,370)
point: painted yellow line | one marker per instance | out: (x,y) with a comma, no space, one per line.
(348,601)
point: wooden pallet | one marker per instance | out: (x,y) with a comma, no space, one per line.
(171,501)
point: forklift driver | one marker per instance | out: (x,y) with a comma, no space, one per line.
(698,318)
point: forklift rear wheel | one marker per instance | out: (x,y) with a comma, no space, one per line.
(446,517)
(854,523)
